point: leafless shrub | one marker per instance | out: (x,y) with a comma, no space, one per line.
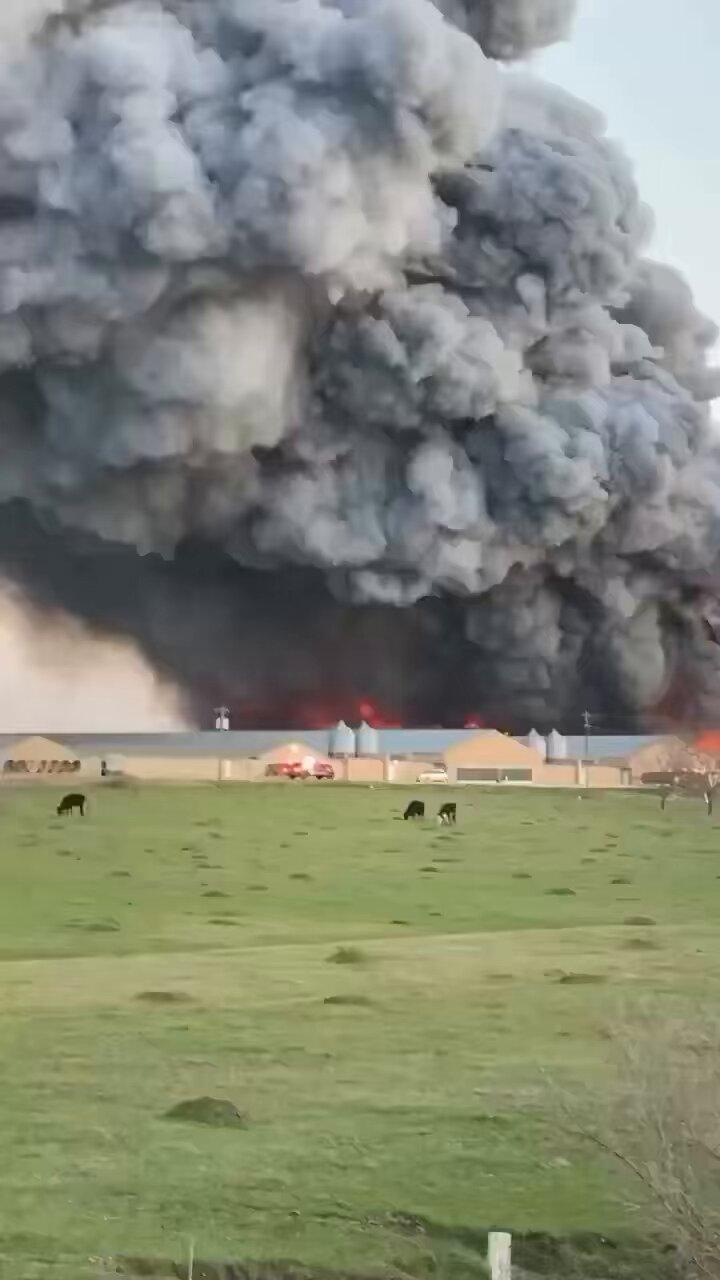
(662,1128)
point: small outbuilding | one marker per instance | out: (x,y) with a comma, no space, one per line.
(489,756)
(40,757)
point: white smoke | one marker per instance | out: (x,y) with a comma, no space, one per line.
(310,284)
(55,676)
(19,19)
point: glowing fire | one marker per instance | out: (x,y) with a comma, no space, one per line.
(708,743)
(372,714)
(301,713)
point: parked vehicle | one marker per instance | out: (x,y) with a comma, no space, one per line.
(434,775)
(284,769)
(323,771)
(301,770)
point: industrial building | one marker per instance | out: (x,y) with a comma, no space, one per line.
(362,754)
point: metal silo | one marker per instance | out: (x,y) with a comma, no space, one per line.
(368,741)
(342,740)
(556,746)
(537,743)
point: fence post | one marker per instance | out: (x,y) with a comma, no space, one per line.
(499,1263)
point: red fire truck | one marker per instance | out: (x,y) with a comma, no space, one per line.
(301,770)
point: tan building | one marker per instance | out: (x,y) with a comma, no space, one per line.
(171,757)
(400,756)
(490,756)
(40,758)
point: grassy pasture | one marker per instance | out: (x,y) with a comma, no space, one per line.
(379,1000)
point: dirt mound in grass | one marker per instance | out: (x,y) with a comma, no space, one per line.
(163,997)
(218,1113)
(353,1002)
(95,926)
(348,955)
(579,979)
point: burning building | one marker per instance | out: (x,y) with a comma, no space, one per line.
(359,755)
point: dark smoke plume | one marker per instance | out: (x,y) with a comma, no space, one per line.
(331,368)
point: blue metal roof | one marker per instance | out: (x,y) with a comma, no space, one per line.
(251,742)
(244,742)
(215,743)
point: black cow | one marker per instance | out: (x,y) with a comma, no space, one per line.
(70,803)
(447,814)
(415,809)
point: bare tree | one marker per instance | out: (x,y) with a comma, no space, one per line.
(689,769)
(663,1130)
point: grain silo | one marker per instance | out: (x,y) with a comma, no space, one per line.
(342,740)
(556,746)
(536,742)
(367,741)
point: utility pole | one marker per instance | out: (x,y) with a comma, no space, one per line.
(587,723)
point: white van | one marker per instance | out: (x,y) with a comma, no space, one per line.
(434,775)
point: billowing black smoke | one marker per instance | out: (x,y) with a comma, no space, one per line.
(331,369)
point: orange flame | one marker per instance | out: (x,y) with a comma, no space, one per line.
(709,742)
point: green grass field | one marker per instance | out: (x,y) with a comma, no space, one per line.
(177,943)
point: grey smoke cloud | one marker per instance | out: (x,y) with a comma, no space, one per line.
(331,365)
(512,28)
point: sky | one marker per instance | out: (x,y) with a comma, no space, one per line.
(651,67)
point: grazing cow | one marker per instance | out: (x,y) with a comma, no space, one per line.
(415,809)
(447,815)
(70,803)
